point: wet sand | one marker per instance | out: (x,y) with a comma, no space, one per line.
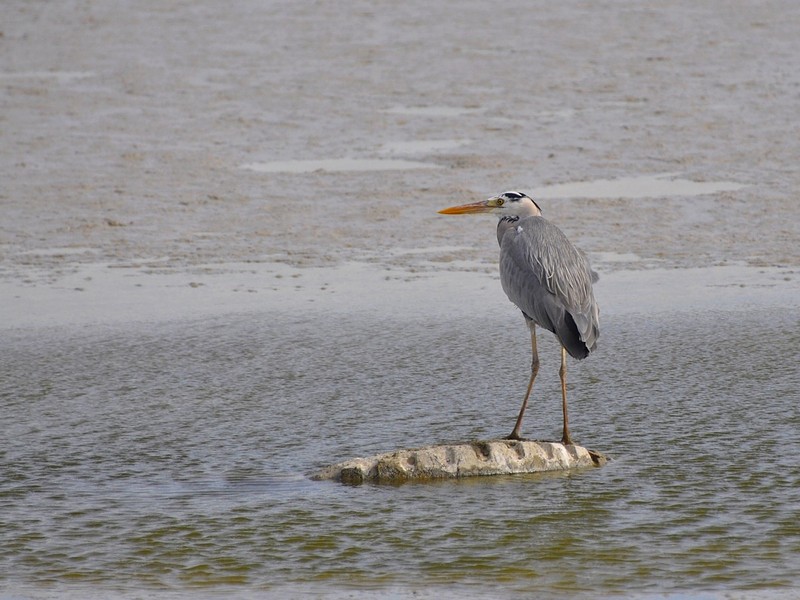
(129,135)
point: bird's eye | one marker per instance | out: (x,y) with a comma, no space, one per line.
(500,202)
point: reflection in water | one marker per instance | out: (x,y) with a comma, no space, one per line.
(174,457)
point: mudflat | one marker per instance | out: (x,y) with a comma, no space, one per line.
(183,137)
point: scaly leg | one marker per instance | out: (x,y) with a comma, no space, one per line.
(565,439)
(515,434)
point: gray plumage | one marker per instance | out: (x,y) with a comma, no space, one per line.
(550,280)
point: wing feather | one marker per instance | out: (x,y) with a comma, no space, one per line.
(548,278)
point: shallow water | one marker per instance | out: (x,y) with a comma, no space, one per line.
(173,458)
(183,340)
(335,165)
(642,186)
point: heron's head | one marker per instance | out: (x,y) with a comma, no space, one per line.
(507,204)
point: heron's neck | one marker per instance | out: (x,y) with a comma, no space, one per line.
(529,209)
(506,223)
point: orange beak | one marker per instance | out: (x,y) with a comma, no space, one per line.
(475,207)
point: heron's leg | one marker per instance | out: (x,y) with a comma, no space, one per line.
(515,434)
(565,439)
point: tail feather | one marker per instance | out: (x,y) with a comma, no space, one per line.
(570,338)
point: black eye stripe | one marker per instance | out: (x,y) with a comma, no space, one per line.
(514,196)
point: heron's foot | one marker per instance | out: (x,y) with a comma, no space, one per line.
(514,435)
(567,440)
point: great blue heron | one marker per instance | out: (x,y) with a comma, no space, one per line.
(549,280)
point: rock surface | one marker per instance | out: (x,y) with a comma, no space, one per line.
(468,459)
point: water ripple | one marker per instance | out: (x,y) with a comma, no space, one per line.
(176,458)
